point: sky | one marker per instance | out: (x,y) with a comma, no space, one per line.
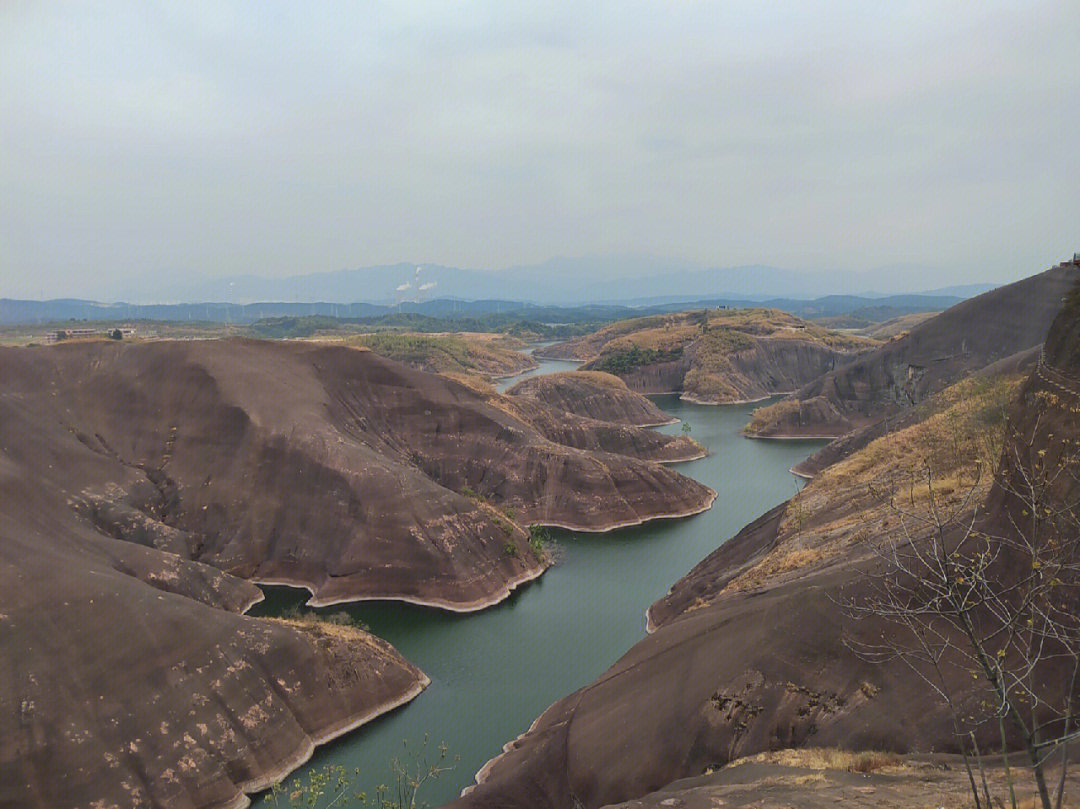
(151,140)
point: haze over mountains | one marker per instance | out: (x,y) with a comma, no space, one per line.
(618,278)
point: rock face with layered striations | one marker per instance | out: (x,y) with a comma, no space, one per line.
(714,356)
(918,364)
(326,466)
(138,481)
(130,678)
(595,395)
(752,650)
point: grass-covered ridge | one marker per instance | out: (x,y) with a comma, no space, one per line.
(958,437)
(484,355)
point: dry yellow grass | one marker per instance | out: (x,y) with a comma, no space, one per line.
(826,758)
(856,500)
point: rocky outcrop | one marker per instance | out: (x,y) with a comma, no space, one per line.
(922,362)
(130,677)
(138,481)
(329,467)
(595,395)
(752,650)
(714,356)
(825,779)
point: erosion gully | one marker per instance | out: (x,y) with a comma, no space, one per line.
(493,672)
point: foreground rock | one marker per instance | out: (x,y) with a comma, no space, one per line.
(595,395)
(752,650)
(130,679)
(713,356)
(823,779)
(922,362)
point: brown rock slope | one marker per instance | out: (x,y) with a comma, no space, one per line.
(714,356)
(129,678)
(593,394)
(327,466)
(912,367)
(825,779)
(748,651)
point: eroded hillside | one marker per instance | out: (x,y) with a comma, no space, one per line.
(140,482)
(714,356)
(923,361)
(754,649)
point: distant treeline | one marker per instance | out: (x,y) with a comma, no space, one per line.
(283,319)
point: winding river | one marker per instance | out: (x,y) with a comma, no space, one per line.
(493,672)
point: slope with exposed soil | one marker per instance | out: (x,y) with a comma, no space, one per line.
(330,467)
(925,360)
(714,356)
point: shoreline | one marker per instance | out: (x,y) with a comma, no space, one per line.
(476,605)
(632,523)
(461,607)
(483,773)
(313,741)
(789,437)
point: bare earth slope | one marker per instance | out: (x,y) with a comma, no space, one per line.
(713,356)
(133,475)
(593,394)
(748,651)
(933,355)
(129,677)
(326,466)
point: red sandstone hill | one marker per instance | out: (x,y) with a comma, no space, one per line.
(593,394)
(752,650)
(929,358)
(138,481)
(713,356)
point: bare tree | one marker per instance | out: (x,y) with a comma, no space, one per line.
(984,595)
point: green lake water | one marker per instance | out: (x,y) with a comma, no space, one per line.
(493,672)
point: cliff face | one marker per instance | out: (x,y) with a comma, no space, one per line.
(767,367)
(594,395)
(326,466)
(714,356)
(747,652)
(130,679)
(934,354)
(132,476)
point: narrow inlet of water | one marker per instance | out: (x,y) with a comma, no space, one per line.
(493,672)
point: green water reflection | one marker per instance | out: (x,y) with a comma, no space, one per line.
(492,673)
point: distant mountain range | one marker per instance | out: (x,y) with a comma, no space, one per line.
(40,312)
(631,280)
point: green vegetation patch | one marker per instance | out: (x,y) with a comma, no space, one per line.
(443,354)
(628,359)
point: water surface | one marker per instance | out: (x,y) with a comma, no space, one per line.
(493,672)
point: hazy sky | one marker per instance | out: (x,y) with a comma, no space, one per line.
(223,138)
